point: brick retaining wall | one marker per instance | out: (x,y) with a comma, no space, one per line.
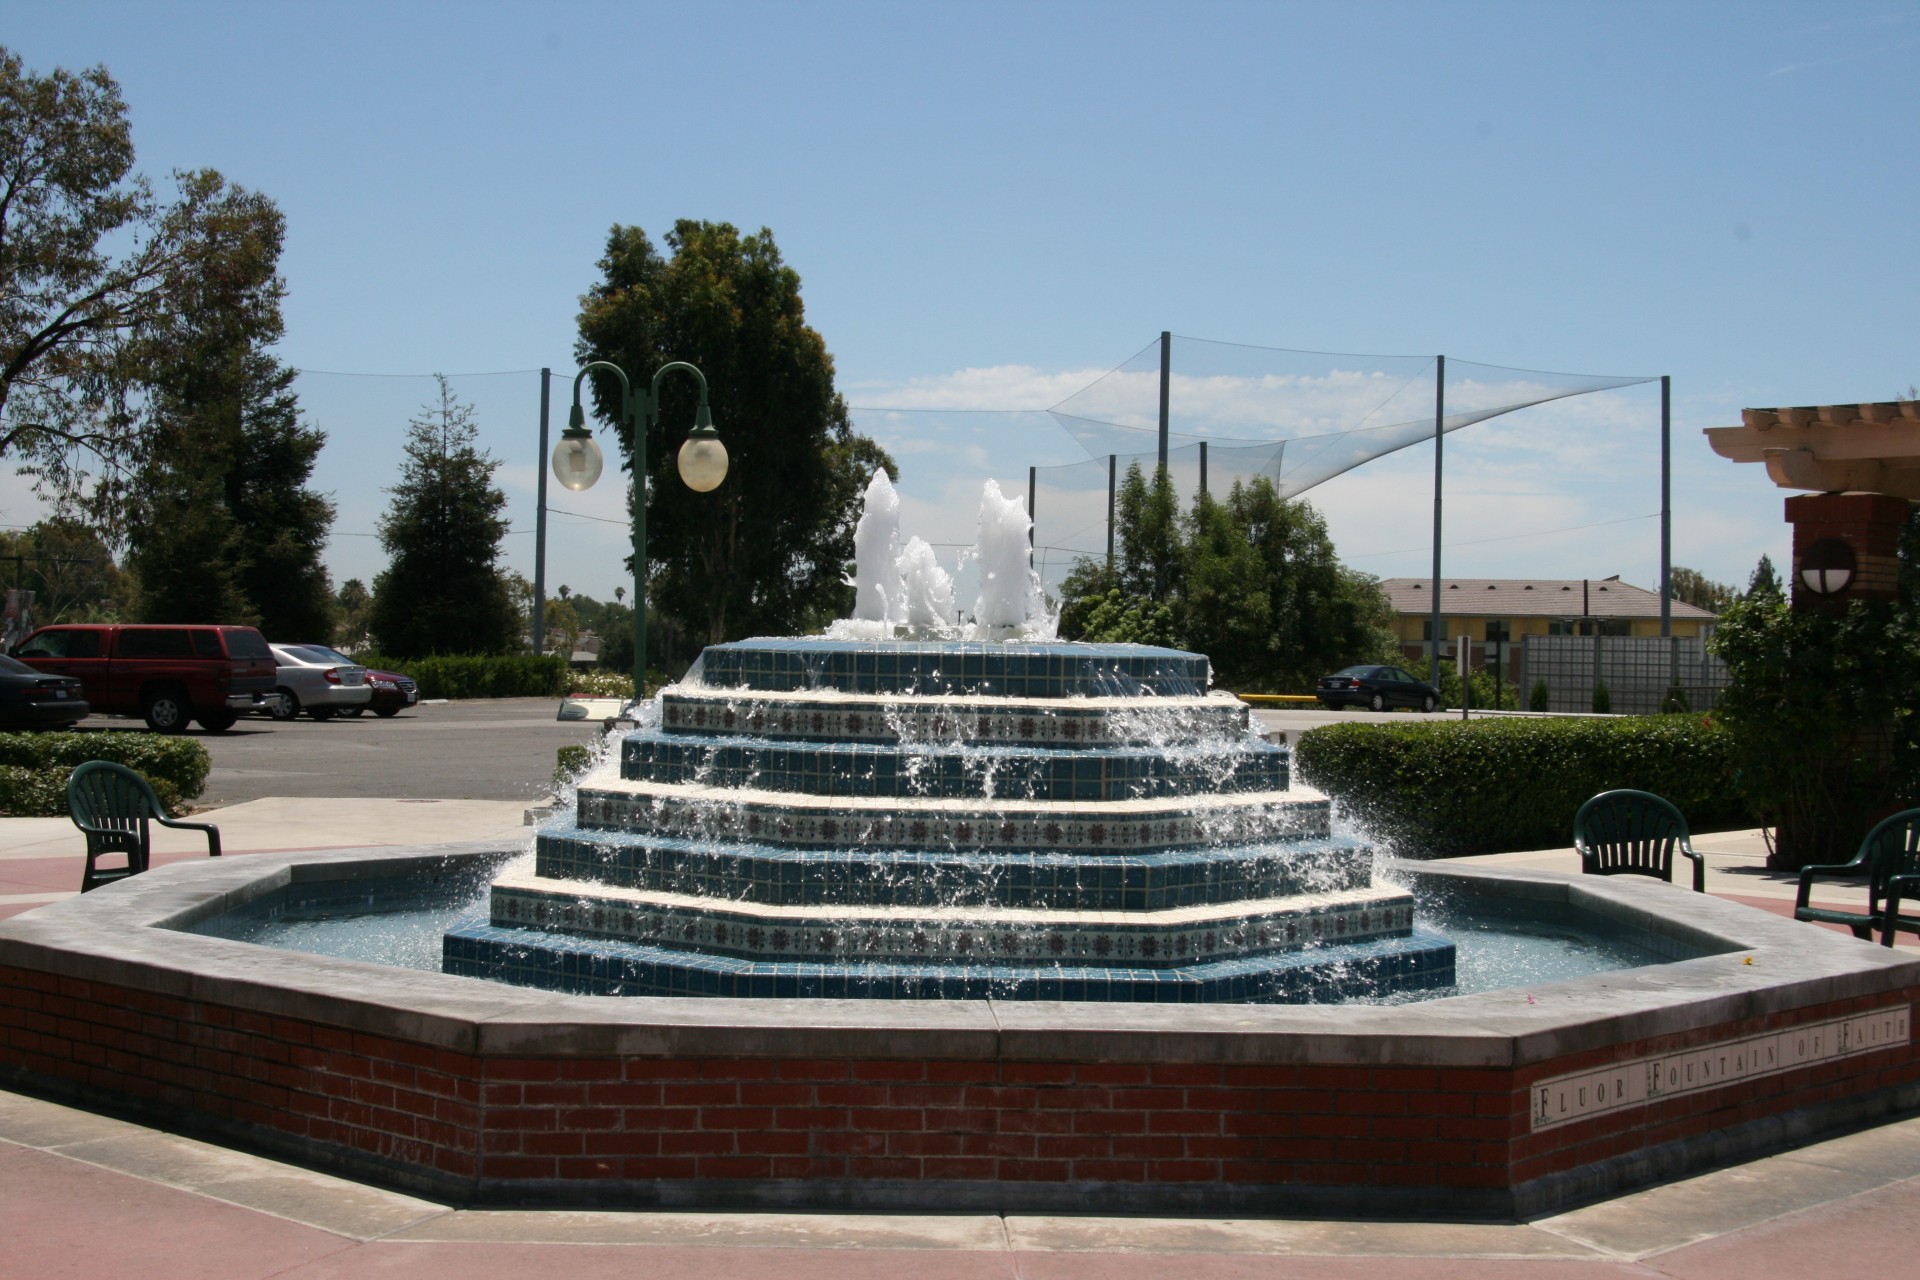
(864,1130)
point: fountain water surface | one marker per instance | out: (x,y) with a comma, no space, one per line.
(948,815)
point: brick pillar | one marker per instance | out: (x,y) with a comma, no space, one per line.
(1870,523)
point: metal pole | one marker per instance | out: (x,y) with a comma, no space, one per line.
(1203,466)
(540,526)
(1439,417)
(1166,378)
(1113,469)
(639,424)
(1666,526)
(1033,492)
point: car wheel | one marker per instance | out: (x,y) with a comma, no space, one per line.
(320,713)
(283,705)
(386,713)
(1378,702)
(217,721)
(166,711)
(1429,702)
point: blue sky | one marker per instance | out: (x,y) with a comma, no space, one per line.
(991,205)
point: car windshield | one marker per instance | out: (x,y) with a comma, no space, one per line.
(288,656)
(1356,671)
(13,666)
(323,653)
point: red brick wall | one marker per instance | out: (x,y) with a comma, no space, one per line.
(460,1116)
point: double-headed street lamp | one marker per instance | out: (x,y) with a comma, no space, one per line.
(702,463)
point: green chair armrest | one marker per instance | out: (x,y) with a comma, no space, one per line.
(212,832)
(1860,863)
(1699,867)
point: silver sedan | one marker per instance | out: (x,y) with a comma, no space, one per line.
(316,682)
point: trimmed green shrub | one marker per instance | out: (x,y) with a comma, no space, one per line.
(34,767)
(569,763)
(511,675)
(1541,699)
(1449,787)
(1602,698)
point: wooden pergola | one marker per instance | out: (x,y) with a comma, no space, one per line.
(1834,448)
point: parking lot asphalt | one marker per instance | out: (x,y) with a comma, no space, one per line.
(482,749)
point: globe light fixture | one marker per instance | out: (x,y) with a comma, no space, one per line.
(1827,567)
(703,459)
(577,460)
(702,463)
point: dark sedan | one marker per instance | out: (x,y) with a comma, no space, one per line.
(1376,688)
(32,699)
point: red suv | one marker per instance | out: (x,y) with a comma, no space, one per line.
(167,675)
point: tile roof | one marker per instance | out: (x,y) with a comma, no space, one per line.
(1532,598)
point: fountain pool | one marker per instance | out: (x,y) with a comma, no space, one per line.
(1186,1093)
(1505,1102)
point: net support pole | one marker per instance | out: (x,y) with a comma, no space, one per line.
(1439,419)
(1113,471)
(1166,379)
(1033,492)
(1667,528)
(540,522)
(1203,466)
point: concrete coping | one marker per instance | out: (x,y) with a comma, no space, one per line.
(129,934)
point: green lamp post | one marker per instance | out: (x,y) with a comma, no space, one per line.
(702,463)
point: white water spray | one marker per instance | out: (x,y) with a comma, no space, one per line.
(876,554)
(1011,605)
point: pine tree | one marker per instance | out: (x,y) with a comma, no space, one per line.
(1764,580)
(441,592)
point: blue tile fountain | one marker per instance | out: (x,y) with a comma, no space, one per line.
(951,820)
(868,814)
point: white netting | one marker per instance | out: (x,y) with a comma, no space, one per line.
(1299,418)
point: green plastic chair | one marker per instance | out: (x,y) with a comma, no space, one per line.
(1635,833)
(1889,858)
(111,804)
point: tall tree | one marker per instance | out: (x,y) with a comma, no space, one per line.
(1690,586)
(70,571)
(1765,581)
(1149,526)
(766,551)
(441,592)
(352,603)
(89,259)
(1251,581)
(220,519)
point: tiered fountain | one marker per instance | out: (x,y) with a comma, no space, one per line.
(905,809)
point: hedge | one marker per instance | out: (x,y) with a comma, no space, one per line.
(1447,788)
(34,767)
(512,675)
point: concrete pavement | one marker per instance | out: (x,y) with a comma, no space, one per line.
(88,1195)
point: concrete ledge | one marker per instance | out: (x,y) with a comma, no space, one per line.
(128,934)
(467,1089)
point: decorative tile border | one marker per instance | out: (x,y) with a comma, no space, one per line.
(1565,1099)
(932,720)
(904,824)
(604,967)
(894,770)
(1059,881)
(751,931)
(1041,670)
